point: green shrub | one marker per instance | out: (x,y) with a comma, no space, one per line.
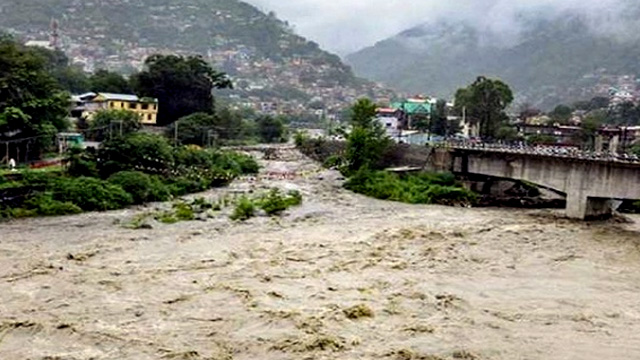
(137,151)
(183,211)
(91,194)
(45,205)
(299,138)
(274,202)
(182,185)
(142,187)
(426,188)
(39,178)
(81,163)
(244,210)
(294,198)
(166,217)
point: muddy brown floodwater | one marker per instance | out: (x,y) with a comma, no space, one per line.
(340,277)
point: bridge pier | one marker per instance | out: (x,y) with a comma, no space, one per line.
(584,207)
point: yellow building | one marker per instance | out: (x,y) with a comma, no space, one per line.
(147,108)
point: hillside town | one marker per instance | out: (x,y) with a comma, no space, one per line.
(308,87)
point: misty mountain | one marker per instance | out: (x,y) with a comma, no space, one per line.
(546,60)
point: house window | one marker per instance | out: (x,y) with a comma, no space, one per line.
(132,106)
(149,117)
(145,106)
(112,105)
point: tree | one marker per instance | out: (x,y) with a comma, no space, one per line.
(231,125)
(507,133)
(596,103)
(195,129)
(136,151)
(70,77)
(561,114)
(485,102)
(367,141)
(439,121)
(541,139)
(625,113)
(182,85)
(363,113)
(527,111)
(110,122)
(270,129)
(32,103)
(109,82)
(589,129)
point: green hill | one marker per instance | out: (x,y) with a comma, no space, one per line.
(264,56)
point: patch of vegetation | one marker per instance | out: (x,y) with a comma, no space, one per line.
(45,205)
(184,211)
(142,187)
(274,202)
(91,194)
(244,210)
(426,188)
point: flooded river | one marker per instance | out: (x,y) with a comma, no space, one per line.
(340,277)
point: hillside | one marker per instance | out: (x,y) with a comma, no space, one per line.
(552,60)
(267,60)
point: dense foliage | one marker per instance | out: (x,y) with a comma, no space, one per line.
(32,103)
(271,129)
(109,122)
(426,188)
(364,157)
(182,85)
(367,141)
(142,187)
(133,169)
(484,103)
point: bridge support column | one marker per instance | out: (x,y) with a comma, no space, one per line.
(584,208)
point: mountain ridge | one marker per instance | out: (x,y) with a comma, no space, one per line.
(553,59)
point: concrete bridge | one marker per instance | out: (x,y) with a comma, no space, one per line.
(593,184)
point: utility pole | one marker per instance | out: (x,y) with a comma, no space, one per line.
(175,133)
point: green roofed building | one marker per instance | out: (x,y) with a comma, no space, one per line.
(413,109)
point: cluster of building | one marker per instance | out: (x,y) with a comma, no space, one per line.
(284,86)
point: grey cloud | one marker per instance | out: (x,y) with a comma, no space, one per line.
(348,25)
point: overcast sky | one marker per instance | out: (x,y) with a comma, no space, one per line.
(345,26)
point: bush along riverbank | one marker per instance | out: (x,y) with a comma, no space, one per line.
(129,170)
(424,188)
(367,151)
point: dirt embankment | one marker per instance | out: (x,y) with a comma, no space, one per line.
(341,277)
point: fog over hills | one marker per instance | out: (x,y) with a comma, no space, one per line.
(547,56)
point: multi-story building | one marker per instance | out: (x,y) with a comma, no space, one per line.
(89,104)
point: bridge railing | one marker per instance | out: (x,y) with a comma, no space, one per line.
(541,150)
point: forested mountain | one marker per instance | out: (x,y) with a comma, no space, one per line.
(548,60)
(265,57)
